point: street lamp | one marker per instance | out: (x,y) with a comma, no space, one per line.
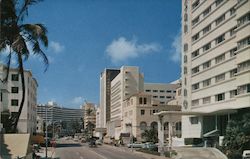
(46,127)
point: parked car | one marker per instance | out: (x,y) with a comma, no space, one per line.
(246,154)
(135,145)
(150,146)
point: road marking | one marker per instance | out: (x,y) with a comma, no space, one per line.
(97,153)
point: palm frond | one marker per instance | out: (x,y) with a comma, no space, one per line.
(38,51)
(35,31)
(24,9)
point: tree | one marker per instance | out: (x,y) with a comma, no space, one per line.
(237,136)
(15,37)
(150,135)
(76,126)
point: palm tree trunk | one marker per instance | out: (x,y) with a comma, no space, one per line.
(21,71)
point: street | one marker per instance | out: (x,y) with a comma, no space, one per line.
(74,150)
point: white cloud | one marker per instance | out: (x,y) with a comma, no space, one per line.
(122,49)
(78,100)
(176,48)
(56,47)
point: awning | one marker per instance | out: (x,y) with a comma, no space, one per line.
(212,133)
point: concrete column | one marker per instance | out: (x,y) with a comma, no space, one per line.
(161,135)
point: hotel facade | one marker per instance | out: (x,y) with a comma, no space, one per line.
(215,65)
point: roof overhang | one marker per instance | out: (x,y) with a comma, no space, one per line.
(197,113)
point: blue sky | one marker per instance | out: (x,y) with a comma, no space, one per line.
(87,36)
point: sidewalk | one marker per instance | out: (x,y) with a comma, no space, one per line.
(50,152)
(146,155)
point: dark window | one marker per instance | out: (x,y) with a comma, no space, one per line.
(14,102)
(148,90)
(145,100)
(206,29)
(14,89)
(14,77)
(220,19)
(142,112)
(220,97)
(195,37)
(220,39)
(155,90)
(195,4)
(207,11)
(217,2)
(194,120)
(195,53)
(140,100)
(206,47)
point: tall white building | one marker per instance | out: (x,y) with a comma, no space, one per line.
(127,83)
(215,64)
(11,99)
(105,91)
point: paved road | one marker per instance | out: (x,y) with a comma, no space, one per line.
(78,151)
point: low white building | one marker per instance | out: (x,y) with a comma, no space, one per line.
(11,100)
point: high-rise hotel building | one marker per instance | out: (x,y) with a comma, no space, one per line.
(215,64)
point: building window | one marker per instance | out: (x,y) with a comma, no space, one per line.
(185,17)
(206,29)
(206,47)
(232,11)
(162,91)
(243,89)
(185,47)
(195,86)
(162,96)
(185,28)
(195,21)
(195,53)
(244,19)
(194,120)
(142,112)
(218,2)
(220,19)
(162,102)
(168,91)
(206,65)
(185,58)
(244,66)
(220,78)
(185,92)
(195,4)
(155,96)
(232,31)
(148,90)
(206,82)
(14,77)
(169,97)
(220,39)
(243,43)
(155,90)
(14,102)
(140,100)
(233,93)
(233,52)
(220,97)
(195,70)
(195,102)
(206,100)
(14,89)
(207,11)
(195,37)
(219,59)
(233,73)
(145,100)
(185,70)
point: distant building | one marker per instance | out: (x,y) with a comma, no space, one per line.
(12,98)
(89,115)
(58,114)
(39,124)
(215,65)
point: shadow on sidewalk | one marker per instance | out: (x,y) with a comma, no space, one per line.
(5,152)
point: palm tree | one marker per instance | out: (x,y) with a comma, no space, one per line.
(20,40)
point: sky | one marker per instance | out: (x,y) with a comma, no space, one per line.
(87,36)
